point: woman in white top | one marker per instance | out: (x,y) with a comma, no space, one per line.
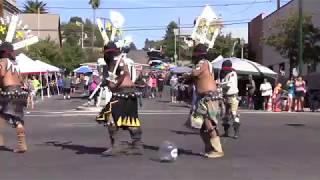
(266,92)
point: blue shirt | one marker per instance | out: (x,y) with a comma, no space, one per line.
(291,89)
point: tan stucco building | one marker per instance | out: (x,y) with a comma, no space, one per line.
(43,25)
(261,27)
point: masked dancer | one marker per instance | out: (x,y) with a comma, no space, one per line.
(229,84)
(13,99)
(209,102)
(122,110)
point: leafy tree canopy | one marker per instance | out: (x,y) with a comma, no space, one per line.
(35,6)
(285,39)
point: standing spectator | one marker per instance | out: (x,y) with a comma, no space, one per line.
(160,84)
(66,87)
(93,85)
(300,87)
(266,92)
(154,86)
(150,80)
(276,98)
(251,88)
(73,83)
(53,86)
(60,84)
(140,83)
(36,87)
(174,88)
(290,85)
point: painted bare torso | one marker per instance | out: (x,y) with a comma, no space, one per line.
(204,79)
(9,73)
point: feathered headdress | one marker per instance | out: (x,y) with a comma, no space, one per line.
(206,28)
(13,31)
(112,31)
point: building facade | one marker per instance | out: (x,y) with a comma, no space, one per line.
(261,27)
(45,26)
(8,7)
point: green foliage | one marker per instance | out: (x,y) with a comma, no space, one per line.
(75,19)
(94,4)
(169,39)
(33,6)
(132,46)
(69,56)
(285,39)
(148,44)
(72,33)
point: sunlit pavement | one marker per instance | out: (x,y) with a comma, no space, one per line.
(67,144)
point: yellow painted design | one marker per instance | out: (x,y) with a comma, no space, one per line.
(133,123)
(124,121)
(109,26)
(137,122)
(3,29)
(119,122)
(19,35)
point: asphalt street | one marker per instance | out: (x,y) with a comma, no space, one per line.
(66,144)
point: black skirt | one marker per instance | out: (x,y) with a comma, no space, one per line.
(123,107)
(13,101)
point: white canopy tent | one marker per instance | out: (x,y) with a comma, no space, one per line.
(245,66)
(27,66)
(50,69)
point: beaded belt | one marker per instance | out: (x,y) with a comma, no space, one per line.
(127,94)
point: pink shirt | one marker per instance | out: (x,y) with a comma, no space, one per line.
(300,86)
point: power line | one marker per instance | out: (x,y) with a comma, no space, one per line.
(183,27)
(163,7)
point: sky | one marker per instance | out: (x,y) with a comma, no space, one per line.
(150,18)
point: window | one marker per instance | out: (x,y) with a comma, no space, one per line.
(270,67)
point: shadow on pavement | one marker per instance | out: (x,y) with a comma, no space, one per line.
(79,149)
(185,132)
(4,148)
(296,124)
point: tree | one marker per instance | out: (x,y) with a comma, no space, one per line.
(35,6)
(224,46)
(72,32)
(94,5)
(169,40)
(75,19)
(69,56)
(132,46)
(148,44)
(285,40)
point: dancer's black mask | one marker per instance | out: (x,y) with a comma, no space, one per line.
(199,53)
(225,69)
(110,52)
(6,51)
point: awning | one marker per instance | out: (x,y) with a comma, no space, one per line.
(28,66)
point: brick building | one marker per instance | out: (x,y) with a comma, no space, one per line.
(262,26)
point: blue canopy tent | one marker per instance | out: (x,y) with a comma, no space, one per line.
(83,70)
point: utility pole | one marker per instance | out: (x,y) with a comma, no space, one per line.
(179,25)
(300,37)
(176,32)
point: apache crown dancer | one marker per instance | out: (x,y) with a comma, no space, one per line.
(12,98)
(208,105)
(122,110)
(229,83)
